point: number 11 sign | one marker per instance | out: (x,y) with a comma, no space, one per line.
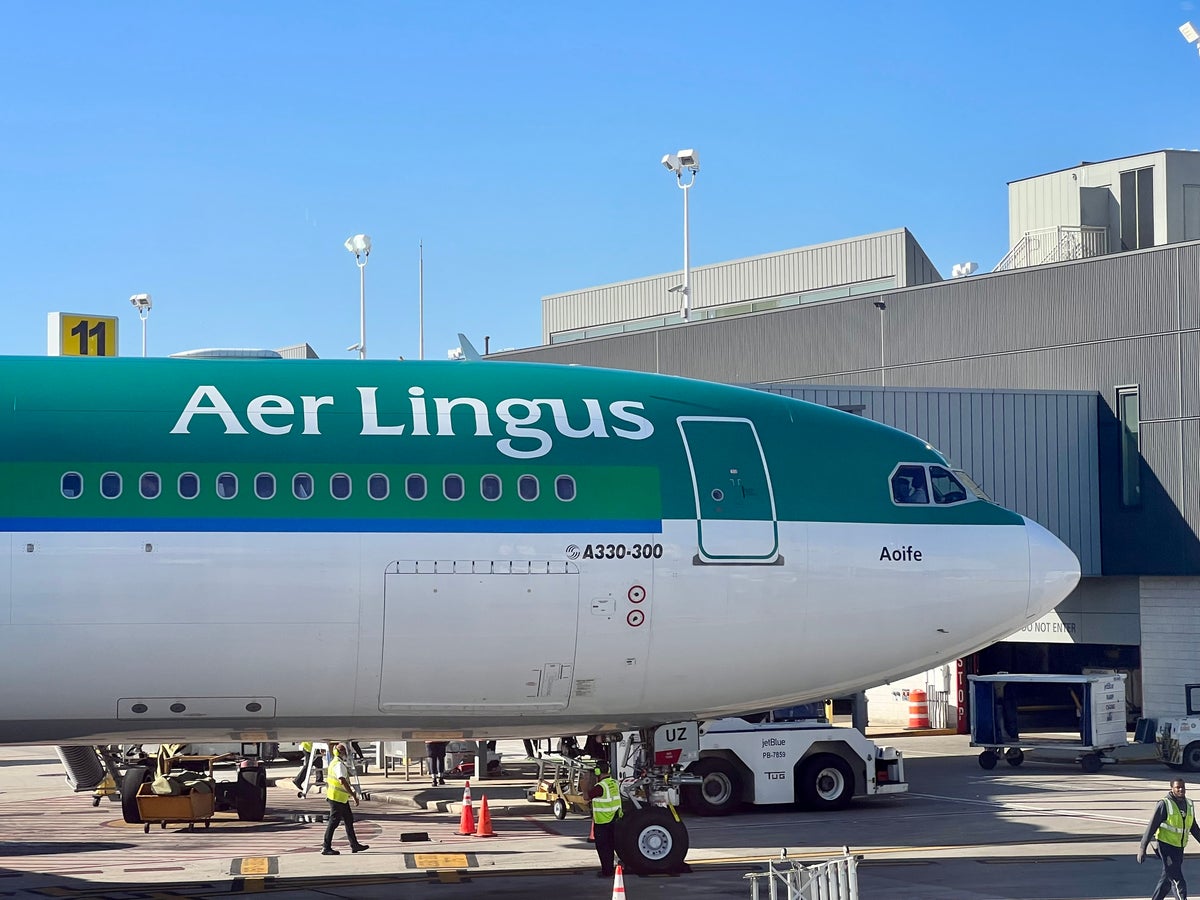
(80,334)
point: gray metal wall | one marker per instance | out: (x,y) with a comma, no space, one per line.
(1087,325)
(889,253)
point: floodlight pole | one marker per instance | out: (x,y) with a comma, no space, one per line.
(142,303)
(362,305)
(686,309)
(677,163)
(360,246)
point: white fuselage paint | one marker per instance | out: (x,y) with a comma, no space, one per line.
(374,635)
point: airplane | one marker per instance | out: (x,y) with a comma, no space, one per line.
(254,549)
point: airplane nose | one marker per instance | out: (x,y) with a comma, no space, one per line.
(1053,570)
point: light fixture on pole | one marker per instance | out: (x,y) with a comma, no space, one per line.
(687,160)
(141,302)
(1190,34)
(360,246)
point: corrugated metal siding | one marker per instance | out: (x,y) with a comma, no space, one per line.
(1045,202)
(1170,642)
(1035,453)
(807,268)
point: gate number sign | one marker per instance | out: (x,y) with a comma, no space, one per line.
(80,334)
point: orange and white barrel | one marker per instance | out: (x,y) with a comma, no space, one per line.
(918,710)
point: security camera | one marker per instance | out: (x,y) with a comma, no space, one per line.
(879,304)
(671,161)
(141,301)
(689,159)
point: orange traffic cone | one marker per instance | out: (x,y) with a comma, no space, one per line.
(592,833)
(485,820)
(466,824)
(618,885)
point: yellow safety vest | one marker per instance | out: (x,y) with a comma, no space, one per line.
(333,780)
(608,806)
(1178,826)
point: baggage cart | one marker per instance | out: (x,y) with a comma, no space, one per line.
(190,808)
(565,784)
(1099,701)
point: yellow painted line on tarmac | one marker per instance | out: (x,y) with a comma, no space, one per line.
(254,865)
(439,861)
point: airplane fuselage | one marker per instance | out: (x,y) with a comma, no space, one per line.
(263,550)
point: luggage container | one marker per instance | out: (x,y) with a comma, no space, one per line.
(997,713)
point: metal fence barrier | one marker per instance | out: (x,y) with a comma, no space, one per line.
(835,879)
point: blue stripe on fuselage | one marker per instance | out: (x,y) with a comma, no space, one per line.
(339,526)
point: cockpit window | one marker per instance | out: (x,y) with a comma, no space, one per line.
(946,488)
(908,485)
(972,485)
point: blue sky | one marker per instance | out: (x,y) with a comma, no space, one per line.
(217,155)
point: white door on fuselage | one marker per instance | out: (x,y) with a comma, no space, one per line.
(735,504)
(521,618)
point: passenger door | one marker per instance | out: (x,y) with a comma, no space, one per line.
(735,504)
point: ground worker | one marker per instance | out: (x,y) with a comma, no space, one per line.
(1173,820)
(606,810)
(339,791)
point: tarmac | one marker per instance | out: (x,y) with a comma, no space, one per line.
(1041,831)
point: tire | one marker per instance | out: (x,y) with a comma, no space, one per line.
(1013,756)
(559,808)
(826,782)
(987,759)
(721,791)
(651,841)
(250,798)
(134,778)
(1091,763)
(1191,757)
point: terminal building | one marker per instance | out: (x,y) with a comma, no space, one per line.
(1066,382)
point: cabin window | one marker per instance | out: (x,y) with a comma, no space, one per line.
(946,488)
(150,485)
(378,487)
(227,486)
(110,485)
(908,486)
(339,486)
(489,487)
(452,487)
(564,487)
(302,486)
(189,486)
(414,487)
(72,485)
(1130,417)
(527,487)
(264,485)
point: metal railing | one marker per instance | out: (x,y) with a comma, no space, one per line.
(1047,245)
(835,879)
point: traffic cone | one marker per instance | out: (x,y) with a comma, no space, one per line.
(618,884)
(466,824)
(485,820)
(592,833)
